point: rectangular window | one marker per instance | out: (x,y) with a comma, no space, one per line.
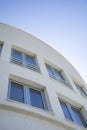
(36,98)
(1,48)
(24,60)
(27,94)
(73,114)
(66,111)
(78,117)
(80,89)
(16,57)
(56,74)
(16,92)
(30,62)
(50,71)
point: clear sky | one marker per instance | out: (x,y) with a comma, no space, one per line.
(60,23)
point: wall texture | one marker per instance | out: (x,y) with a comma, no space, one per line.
(16,115)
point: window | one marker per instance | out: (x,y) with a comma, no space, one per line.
(27,94)
(30,60)
(56,74)
(1,48)
(16,92)
(36,98)
(22,59)
(65,111)
(73,114)
(81,90)
(16,57)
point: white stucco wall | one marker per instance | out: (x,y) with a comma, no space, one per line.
(15,115)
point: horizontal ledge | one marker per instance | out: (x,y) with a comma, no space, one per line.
(35,112)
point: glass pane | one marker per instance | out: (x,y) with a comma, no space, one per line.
(17,54)
(17,57)
(0,48)
(49,69)
(36,98)
(78,117)
(16,92)
(80,89)
(65,111)
(58,74)
(30,60)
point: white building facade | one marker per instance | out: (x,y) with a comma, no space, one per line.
(39,88)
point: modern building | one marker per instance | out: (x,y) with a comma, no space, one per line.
(39,88)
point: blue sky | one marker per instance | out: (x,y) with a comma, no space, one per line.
(60,23)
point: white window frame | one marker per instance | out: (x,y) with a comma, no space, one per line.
(26,92)
(23,62)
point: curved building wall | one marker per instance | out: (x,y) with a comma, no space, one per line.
(33,69)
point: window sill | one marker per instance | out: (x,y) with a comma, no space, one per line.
(75,124)
(35,70)
(21,108)
(28,109)
(68,86)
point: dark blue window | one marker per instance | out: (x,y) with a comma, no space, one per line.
(1,48)
(73,114)
(54,73)
(30,60)
(17,57)
(78,117)
(50,71)
(26,94)
(65,111)
(16,92)
(24,60)
(58,75)
(36,98)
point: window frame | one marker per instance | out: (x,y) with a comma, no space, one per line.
(26,93)
(23,60)
(71,112)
